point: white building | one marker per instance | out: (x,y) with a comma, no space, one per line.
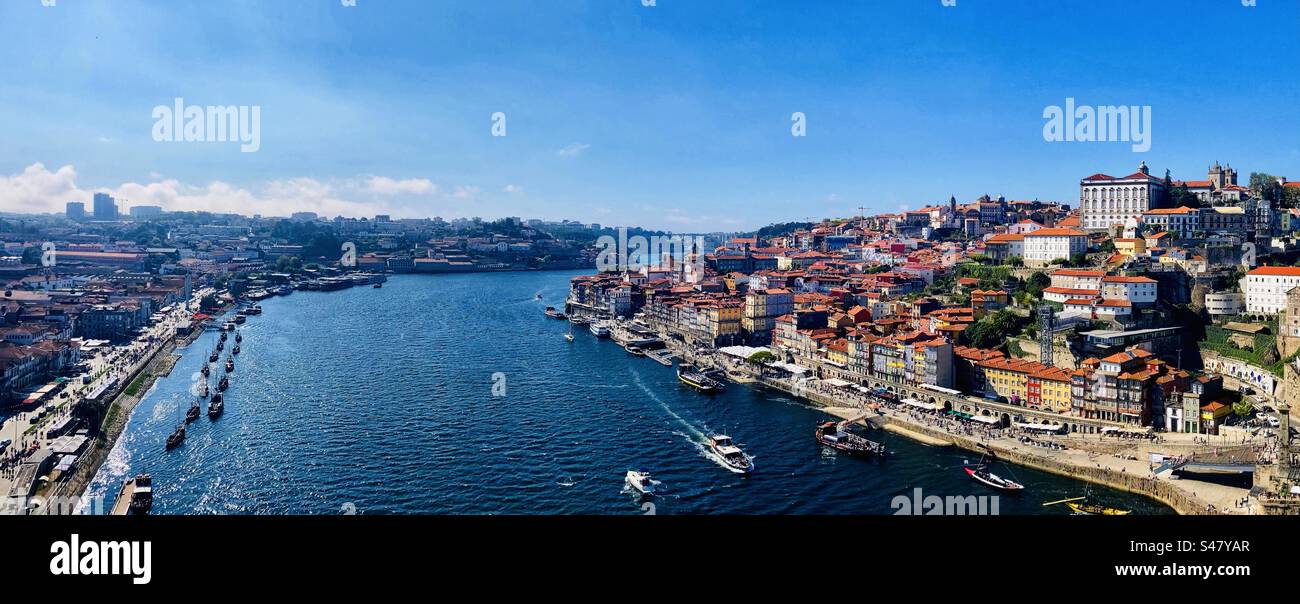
(1077,278)
(1266,287)
(1045,245)
(1137,290)
(1106,200)
(1225,304)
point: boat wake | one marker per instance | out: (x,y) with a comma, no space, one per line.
(698,436)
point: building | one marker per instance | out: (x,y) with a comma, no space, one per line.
(1045,245)
(1105,201)
(1182,220)
(762,307)
(1266,287)
(146,212)
(1225,304)
(1004,246)
(105,207)
(1139,291)
(75,210)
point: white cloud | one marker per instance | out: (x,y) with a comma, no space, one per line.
(38,189)
(573,150)
(383,185)
(513,189)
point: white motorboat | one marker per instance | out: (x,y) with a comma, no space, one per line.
(725,450)
(640,481)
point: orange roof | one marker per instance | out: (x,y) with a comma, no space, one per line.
(1178,210)
(1276,271)
(1006,238)
(1070,291)
(1056,232)
(1077,272)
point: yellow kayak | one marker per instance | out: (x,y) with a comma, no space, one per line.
(1096,510)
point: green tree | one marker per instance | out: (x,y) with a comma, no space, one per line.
(1037,282)
(1265,186)
(761,357)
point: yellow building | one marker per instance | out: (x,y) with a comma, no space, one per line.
(1131,247)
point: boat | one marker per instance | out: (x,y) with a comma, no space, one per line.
(235,350)
(537,297)
(640,481)
(240,317)
(230,365)
(982,474)
(218,398)
(239,338)
(224,335)
(568,336)
(206,370)
(599,330)
(255,309)
(378,286)
(212,358)
(228,326)
(192,413)
(1088,509)
(726,451)
(215,408)
(836,435)
(206,391)
(221,346)
(223,384)
(136,496)
(176,437)
(699,380)
(580,320)
(634,350)
(552,313)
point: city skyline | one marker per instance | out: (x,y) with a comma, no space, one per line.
(675,125)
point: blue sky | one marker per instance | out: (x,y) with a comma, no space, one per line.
(675,116)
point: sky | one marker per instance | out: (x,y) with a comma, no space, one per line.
(676,116)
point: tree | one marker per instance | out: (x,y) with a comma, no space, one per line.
(1016,261)
(1037,282)
(761,357)
(1266,187)
(993,329)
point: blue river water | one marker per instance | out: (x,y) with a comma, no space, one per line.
(381,401)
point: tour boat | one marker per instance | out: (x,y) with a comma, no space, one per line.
(726,451)
(212,358)
(836,436)
(1088,509)
(235,350)
(240,317)
(176,437)
(224,335)
(221,346)
(599,330)
(215,408)
(192,413)
(552,313)
(698,380)
(223,384)
(641,481)
(230,365)
(218,398)
(138,492)
(982,474)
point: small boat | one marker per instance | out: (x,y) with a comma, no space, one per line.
(599,330)
(378,286)
(634,350)
(235,350)
(206,391)
(230,365)
(215,408)
(255,309)
(218,398)
(537,297)
(726,451)
(240,317)
(221,346)
(1088,509)
(239,338)
(982,474)
(699,380)
(136,496)
(580,320)
(192,413)
(224,335)
(835,435)
(552,313)
(568,336)
(228,326)
(640,481)
(212,358)
(206,370)
(176,437)
(223,384)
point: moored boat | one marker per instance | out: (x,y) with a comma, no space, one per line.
(982,474)
(212,358)
(725,451)
(235,350)
(1088,509)
(698,380)
(192,413)
(836,435)
(552,313)
(136,496)
(599,329)
(215,408)
(230,365)
(177,437)
(223,384)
